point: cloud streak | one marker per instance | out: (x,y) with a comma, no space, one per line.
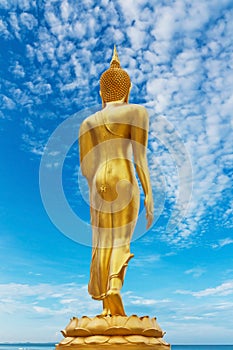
(223,289)
(46,299)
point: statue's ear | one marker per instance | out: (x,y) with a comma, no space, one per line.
(127,96)
(103,103)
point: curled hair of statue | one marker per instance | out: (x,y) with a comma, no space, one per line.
(114,82)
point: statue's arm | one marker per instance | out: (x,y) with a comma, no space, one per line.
(139,137)
(85,151)
(82,150)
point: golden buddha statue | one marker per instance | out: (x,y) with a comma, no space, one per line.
(111,142)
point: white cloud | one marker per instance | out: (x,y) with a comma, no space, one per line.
(13,19)
(145,260)
(23,5)
(21,98)
(39,88)
(30,51)
(29,305)
(18,70)
(79,29)
(188,318)
(52,300)
(65,10)
(34,145)
(2,115)
(44,299)
(70,86)
(130,10)
(223,289)
(196,272)
(223,242)
(28,20)
(4,4)
(165,24)
(138,300)
(55,24)
(66,47)
(6,102)
(137,37)
(143,302)
(3,29)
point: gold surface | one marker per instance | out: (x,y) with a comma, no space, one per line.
(109,140)
(115,57)
(113,326)
(112,142)
(117,346)
(113,332)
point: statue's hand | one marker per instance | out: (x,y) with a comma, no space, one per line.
(149,210)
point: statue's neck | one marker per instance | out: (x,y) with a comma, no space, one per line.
(113,103)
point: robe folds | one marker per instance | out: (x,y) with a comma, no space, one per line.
(112,143)
(111,245)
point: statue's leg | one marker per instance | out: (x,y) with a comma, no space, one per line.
(123,226)
(114,297)
(114,228)
(102,248)
(106,308)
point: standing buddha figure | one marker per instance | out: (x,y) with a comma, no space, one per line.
(113,143)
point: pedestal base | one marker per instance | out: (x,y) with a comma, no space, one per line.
(114,332)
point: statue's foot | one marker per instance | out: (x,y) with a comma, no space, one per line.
(115,302)
(105,313)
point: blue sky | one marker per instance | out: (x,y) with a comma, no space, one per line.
(179,55)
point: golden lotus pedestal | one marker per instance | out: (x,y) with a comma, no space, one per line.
(115,332)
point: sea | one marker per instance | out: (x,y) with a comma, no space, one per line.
(51,346)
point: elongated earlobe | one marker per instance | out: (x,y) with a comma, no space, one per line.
(102,100)
(127,96)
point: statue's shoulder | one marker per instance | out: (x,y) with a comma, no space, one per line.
(138,114)
(89,122)
(137,109)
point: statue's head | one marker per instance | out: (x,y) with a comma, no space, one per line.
(115,82)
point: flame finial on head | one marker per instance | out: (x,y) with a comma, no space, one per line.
(115,58)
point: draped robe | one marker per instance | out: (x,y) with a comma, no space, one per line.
(108,143)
